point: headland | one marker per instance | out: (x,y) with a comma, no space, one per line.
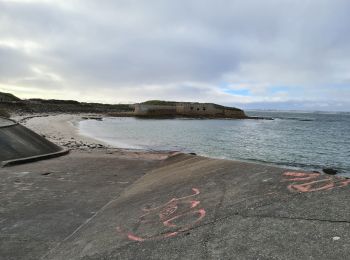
(149,109)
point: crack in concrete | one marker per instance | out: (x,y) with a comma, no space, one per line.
(298,218)
(217,208)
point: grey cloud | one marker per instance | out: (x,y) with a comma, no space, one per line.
(118,45)
(13,64)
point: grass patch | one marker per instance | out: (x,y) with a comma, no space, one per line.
(160,103)
(8,97)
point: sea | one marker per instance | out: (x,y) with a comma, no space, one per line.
(296,140)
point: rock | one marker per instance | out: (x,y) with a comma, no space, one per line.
(193,153)
(92,118)
(330,171)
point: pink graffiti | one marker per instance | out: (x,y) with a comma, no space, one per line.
(176,216)
(313,182)
(300,176)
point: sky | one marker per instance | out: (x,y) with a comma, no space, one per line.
(253,54)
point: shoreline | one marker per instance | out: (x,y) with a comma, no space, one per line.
(62,129)
(95,197)
(308,167)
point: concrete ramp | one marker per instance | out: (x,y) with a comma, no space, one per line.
(199,208)
(97,205)
(19,144)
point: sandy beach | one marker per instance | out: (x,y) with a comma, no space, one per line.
(62,129)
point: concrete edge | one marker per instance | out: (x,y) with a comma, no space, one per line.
(8,119)
(34,158)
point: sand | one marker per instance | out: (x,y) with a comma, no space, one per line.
(62,129)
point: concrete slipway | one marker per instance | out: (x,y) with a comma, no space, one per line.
(19,144)
(99,206)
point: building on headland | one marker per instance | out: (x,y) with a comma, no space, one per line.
(186,109)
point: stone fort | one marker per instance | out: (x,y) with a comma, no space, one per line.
(187,109)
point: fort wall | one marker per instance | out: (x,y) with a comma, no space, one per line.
(188,109)
(154,110)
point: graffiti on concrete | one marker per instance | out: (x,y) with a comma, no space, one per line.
(310,182)
(168,220)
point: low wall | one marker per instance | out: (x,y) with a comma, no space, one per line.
(20,143)
(154,110)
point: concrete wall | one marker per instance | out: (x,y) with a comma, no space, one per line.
(198,109)
(154,110)
(18,142)
(188,109)
(207,109)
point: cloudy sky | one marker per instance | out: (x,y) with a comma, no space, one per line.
(271,54)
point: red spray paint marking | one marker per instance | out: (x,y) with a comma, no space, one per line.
(313,182)
(167,216)
(300,176)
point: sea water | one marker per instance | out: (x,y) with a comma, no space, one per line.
(304,140)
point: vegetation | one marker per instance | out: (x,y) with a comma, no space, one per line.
(160,103)
(228,108)
(13,104)
(8,97)
(53,101)
(37,105)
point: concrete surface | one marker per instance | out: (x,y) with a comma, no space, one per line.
(19,142)
(97,206)
(6,122)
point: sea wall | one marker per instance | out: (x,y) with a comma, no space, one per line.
(19,143)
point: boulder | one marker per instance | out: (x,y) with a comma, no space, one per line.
(330,171)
